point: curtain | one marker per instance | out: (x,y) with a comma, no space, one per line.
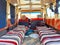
(57,6)
(2,13)
(12,12)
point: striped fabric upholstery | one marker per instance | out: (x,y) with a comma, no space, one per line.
(17,32)
(42,32)
(21,28)
(48,37)
(14,37)
(4,42)
(53,40)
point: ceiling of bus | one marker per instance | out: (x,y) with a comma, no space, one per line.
(30,4)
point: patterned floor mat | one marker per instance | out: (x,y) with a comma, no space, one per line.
(31,41)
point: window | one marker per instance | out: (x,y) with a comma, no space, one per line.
(32,14)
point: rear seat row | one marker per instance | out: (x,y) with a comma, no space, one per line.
(48,36)
(14,37)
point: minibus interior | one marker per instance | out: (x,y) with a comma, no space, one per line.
(29,22)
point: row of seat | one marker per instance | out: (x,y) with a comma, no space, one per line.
(48,36)
(14,37)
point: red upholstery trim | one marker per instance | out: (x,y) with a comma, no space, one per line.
(21,20)
(34,19)
(9,42)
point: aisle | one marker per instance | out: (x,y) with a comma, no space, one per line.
(31,41)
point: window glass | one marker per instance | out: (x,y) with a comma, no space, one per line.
(32,14)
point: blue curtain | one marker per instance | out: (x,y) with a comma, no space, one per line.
(57,1)
(12,12)
(2,13)
(57,5)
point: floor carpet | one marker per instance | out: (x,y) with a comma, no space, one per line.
(31,41)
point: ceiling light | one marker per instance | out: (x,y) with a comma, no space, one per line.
(27,0)
(19,6)
(15,4)
(46,3)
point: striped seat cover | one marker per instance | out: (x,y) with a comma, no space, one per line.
(13,37)
(10,39)
(40,28)
(46,32)
(21,33)
(53,40)
(21,28)
(48,35)
(41,34)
